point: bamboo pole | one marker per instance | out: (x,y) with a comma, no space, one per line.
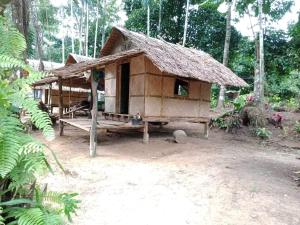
(93,130)
(61,106)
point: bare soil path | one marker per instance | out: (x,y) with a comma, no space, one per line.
(225,180)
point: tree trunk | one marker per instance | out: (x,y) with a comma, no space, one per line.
(259,98)
(159,17)
(186,22)
(96,29)
(226,52)
(256,68)
(104,25)
(81,27)
(63,50)
(72,31)
(20,16)
(38,34)
(148,19)
(87,31)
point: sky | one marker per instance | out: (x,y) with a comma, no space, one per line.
(243,25)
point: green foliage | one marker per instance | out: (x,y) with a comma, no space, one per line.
(229,121)
(206,27)
(21,157)
(240,102)
(297,127)
(263,133)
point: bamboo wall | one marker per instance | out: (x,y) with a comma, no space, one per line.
(152,93)
(72,97)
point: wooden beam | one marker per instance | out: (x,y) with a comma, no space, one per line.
(61,106)
(93,130)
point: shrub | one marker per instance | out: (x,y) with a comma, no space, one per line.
(239,102)
(229,122)
(263,133)
(297,127)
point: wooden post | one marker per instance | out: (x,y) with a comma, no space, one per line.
(93,130)
(49,100)
(146,132)
(61,106)
(206,129)
(70,83)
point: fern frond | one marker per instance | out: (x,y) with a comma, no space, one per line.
(1,218)
(40,119)
(9,62)
(9,144)
(12,42)
(32,216)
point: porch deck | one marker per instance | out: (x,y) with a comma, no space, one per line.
(104,124)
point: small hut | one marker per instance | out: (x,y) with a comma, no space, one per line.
(144,76)
(74,91)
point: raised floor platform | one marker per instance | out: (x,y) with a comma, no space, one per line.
(85,124)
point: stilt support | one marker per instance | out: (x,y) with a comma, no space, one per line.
(206,128)
(93,130)
(146,132)
(61,106)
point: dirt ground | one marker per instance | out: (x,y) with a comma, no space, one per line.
(227,179)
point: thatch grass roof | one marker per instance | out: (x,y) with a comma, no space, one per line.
(75,58)
(175,59)
(76,74)
(169,58)
(48,65)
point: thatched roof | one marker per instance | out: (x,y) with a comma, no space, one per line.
(169,58)
(74,58)
(48,65)
(175,59)
(76,74)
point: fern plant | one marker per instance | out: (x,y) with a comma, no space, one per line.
(21,157)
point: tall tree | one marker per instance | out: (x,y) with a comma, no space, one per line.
(96,29)
(146,4)
(72,28)
(159,17)
(263,10)
(20,16)
(259,95)
(86,29)
(226,51)
(104,23)
(38,34)
(186,21)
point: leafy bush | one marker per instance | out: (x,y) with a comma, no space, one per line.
(263,133)
(229,122)
(214,96)
(240,102)
(297,127)
(22,158)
